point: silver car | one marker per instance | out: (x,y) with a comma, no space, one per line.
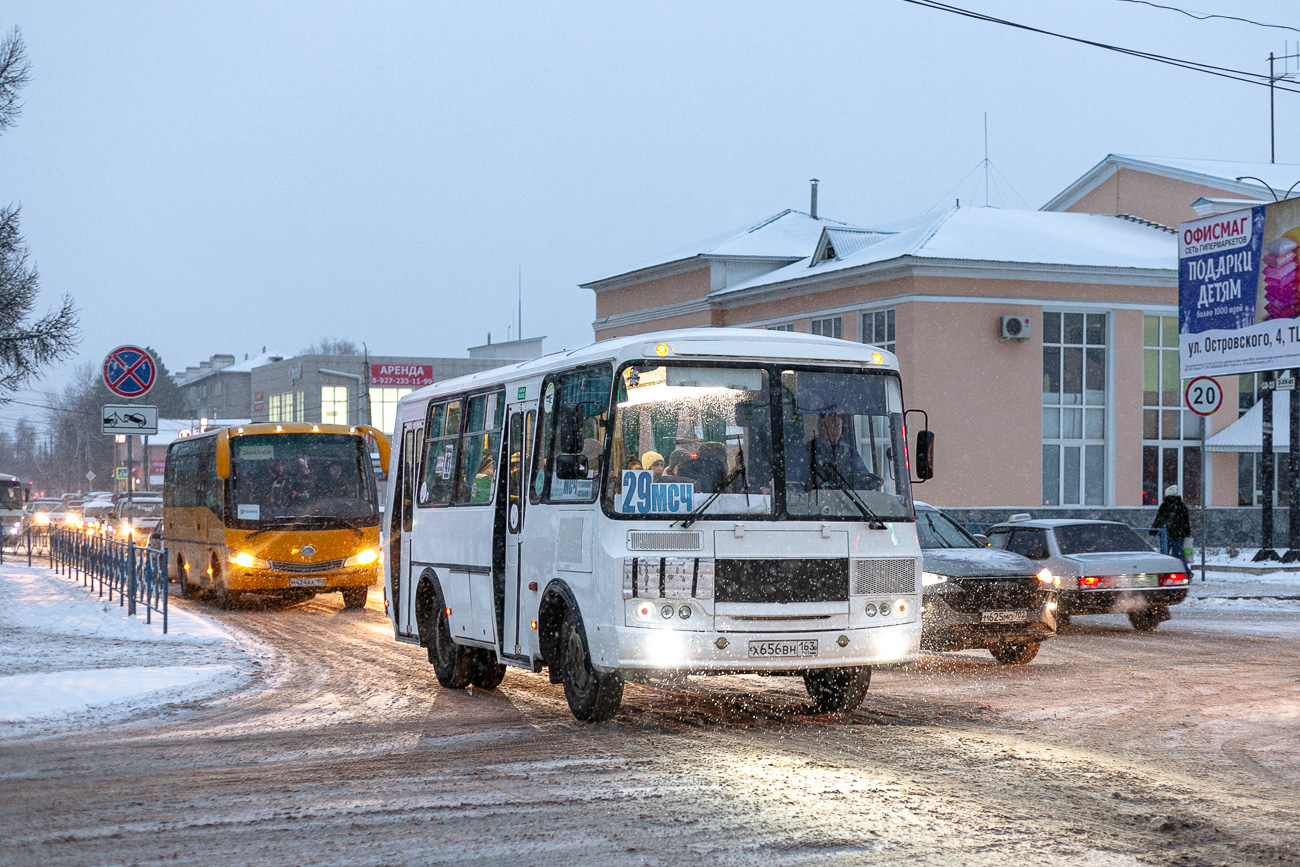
(975,596)
(1105,567)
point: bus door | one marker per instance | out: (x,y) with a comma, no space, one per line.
(403,590)
(519,441)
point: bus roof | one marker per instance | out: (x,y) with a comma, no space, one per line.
(288,427)
(731,344)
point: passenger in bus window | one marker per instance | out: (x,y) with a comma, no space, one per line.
(332,482)
(675,461)
(281,488)
(654,462)
(833,453)
(634,464)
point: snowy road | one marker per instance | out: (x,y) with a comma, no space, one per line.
(1113,747)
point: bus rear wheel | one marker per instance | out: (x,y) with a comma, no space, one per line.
(182,580)
(836,690)
(593,696)
(225,598)
(355,597)
(488,673)
(453,665)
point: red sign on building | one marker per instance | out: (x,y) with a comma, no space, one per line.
(401,375)
(258,401)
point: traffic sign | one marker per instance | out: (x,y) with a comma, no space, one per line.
(1203,395)
(130,419)
(130,371)
(90,475)
(119,473)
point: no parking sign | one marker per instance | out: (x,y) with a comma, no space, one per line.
(130,371)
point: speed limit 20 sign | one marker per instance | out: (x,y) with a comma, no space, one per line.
(1203,395)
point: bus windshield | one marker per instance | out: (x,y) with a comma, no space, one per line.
(688,438)
(288,476)
(11,495)
(844,453)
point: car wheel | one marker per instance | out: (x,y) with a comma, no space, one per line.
(837,689)
(593,696)
(1015,653)
(488,673)
(1148,619)
(453,664)
(355,597)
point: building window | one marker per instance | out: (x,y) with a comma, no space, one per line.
(1074,409)
(288,407)
(878,329)
(334,404)
(383,407)
(831,326)
(789,326)
(1171,451)
(273,410)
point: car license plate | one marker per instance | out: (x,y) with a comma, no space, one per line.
(1004,616)
(306,582)
(1143,580)
(771,649)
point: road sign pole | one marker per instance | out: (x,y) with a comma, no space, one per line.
(1293,452)
(129,486)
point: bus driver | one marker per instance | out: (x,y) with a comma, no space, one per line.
(834,458)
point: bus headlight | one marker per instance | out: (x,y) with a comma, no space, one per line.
(363,558)
(245,560)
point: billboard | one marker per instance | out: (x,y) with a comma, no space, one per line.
(1239,291)
(407,375)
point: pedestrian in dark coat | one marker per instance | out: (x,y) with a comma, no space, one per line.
(1174,517)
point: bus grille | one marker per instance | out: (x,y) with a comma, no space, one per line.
(306,568)
(872,577)
(781,580)
(646,540)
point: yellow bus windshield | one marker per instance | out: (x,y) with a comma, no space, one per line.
(281,476)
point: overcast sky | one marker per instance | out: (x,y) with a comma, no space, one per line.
(221,177)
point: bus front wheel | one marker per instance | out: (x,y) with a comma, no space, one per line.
(837,689)
(355,597)
(593,696)
(453,665)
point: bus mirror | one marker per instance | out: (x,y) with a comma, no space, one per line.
(924,455)
(569,422)
(223,454)
(571,466)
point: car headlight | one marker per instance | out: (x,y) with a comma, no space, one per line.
(42,518)
(245,560)
(929,579)
(362,558)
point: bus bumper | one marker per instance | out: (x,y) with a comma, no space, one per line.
(684,651)
(260,580)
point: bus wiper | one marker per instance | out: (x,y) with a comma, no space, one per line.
(702,507)
(832,474)
(295,520)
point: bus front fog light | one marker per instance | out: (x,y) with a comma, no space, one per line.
(684,612)
(884,609)
(666,612)
(842,641)
(871,609)
(721,643)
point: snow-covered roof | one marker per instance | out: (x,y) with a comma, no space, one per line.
(788,234)
(245,366)
(1221,174)
(1000,236)
(1246,434)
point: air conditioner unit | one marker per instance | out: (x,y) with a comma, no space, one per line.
(1015,327)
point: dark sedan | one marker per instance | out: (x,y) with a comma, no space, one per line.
(975,596)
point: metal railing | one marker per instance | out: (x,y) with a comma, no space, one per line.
(137,575)
(33,541)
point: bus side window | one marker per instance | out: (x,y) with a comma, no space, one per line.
(440,444)
(589,389)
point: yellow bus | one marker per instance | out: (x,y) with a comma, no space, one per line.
(275,508)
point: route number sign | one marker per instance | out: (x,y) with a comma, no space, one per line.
(1203,395)
(130,371)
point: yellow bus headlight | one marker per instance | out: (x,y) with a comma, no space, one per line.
(363,558)
(245,560)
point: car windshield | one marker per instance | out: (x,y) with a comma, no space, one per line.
(142,509)
(277,476)
(843,438)
(934,529)
(1098,539)
(45,507)
(690,439)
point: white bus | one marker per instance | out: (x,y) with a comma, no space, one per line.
(703,501)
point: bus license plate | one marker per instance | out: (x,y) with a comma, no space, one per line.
(306,582)
(1004,616)
(770,649)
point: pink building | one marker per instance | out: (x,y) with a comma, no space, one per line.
(1043,344)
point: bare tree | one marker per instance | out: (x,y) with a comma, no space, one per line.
(332,346)
(26,346)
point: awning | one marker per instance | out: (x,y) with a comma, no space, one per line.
(1246,434)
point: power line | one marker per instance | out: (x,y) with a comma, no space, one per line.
(1195,66)
(1205,16)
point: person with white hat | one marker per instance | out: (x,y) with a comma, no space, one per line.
(1174,517)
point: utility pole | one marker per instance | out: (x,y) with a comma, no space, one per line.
(1273,78)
